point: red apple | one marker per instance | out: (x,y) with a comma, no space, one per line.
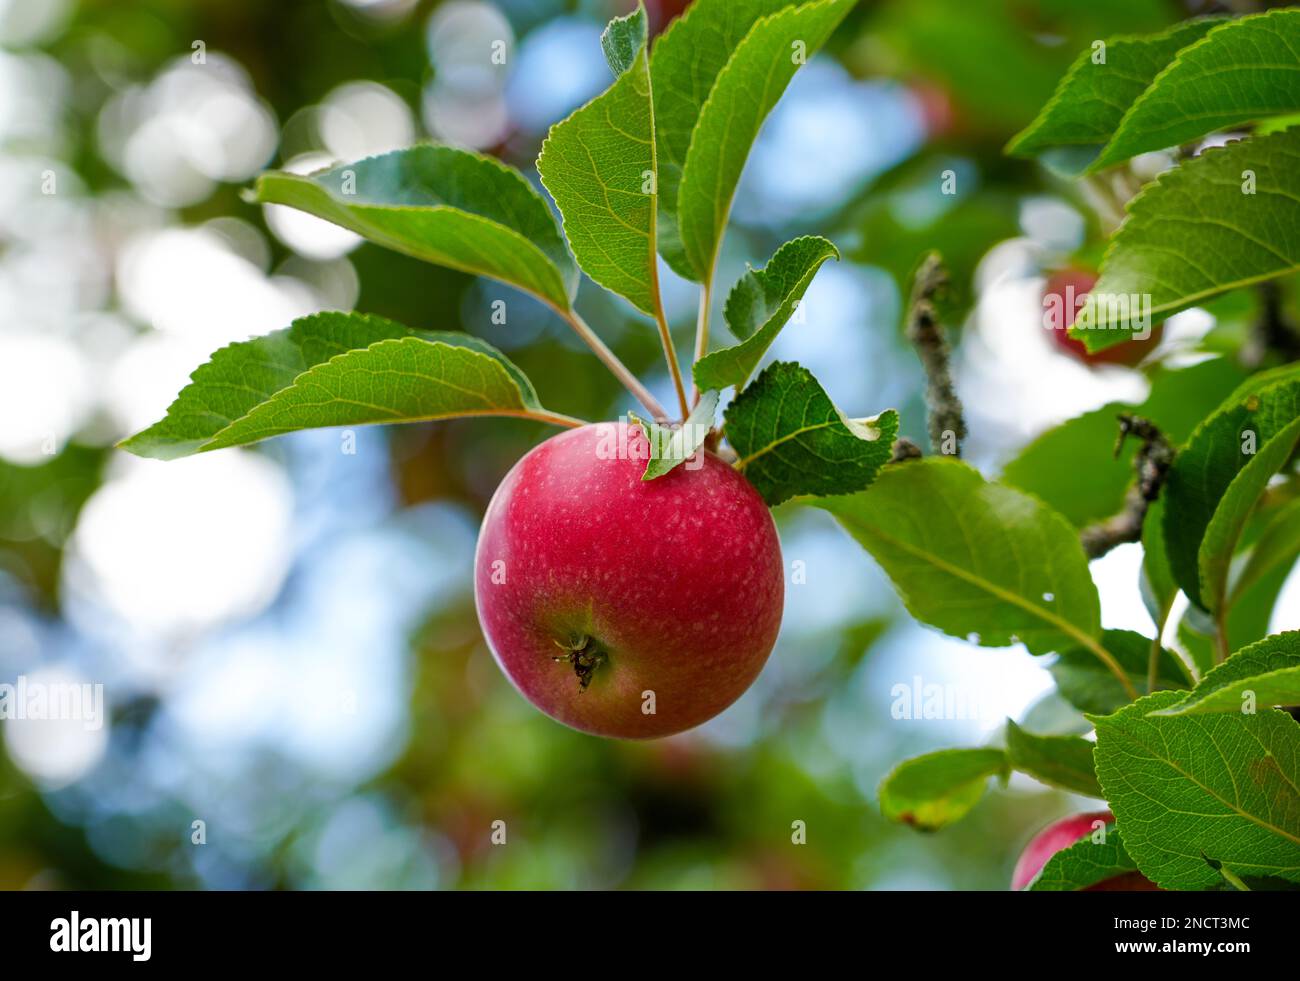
(1063,298)
(624,607)
(1060,835)
(935,104)
(664,12)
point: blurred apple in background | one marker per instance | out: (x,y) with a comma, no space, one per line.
(1063,298)
(1060,835)
(663,12)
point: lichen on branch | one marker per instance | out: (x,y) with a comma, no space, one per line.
(1151,464)
(947,423)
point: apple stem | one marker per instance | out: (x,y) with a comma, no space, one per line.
(551,418)
(713,443)
(585,657)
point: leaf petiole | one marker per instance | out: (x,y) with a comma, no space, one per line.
(666,337)
(702,328)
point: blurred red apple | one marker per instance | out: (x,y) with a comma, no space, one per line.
(1062,834)
(1063,298)
(663,12)
(624,607)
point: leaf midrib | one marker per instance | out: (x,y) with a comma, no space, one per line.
(306,378)
(1235,808)
(743,462)
(377,234)
(1186,300)
(993,589)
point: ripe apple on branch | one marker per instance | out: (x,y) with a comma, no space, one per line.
(628,578)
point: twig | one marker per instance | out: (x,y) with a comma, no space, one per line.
(1151,464)
(946,420)
(905,449)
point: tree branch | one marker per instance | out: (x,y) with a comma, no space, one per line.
(946,420)
(1151,464)
(905,449)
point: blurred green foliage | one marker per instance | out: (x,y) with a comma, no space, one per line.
(687,812)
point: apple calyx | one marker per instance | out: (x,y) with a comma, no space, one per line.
(585,656)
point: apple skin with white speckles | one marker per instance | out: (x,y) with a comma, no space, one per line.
(663,594)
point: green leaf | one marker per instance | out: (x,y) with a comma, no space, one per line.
(1091,99)
(1277,124)
(403,380)
(1221,787)
(1252,611)
(1049,467)
(1052,715)
(599,165)
(1180,398)
(1249,608)
(1242,70)
(758,306)
(1197,639)
(335,369)
(1156,580)
(975,559)
(447,206)
(1062,761)
(1195,233)
(791,439)
(932,791)
(1269,670)
(746,90)
(683,68)
(1205,470)
(1234,508)
(623,40)
(1085,863)
(1247,621)
(1277,547)
(1086,683)
(672,446)
(243,375)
